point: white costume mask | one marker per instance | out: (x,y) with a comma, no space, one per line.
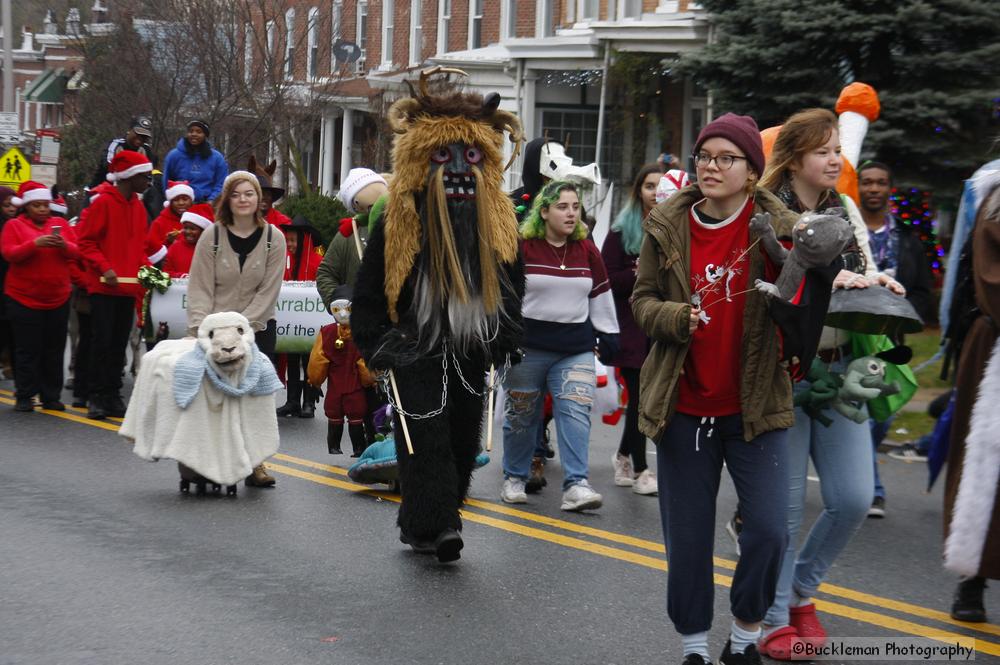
(341,310)
(555,164)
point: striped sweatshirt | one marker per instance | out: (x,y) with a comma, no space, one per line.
(567,296)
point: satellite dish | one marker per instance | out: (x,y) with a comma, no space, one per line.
(344,51)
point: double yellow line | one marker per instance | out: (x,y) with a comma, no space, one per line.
(622,547)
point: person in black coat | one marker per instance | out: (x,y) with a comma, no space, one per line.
(896,248)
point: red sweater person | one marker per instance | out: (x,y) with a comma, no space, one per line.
(336,360)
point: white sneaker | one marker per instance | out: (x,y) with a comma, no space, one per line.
(645,484)
(513,491)
(623,470)
(581,496)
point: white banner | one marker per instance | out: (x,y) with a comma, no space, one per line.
(300,314)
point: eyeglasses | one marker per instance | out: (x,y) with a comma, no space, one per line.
(724,162)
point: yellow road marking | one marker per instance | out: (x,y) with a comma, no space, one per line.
(659,564)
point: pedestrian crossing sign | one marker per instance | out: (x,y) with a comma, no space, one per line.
(14,169)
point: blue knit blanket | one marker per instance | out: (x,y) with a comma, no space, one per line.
(260,379)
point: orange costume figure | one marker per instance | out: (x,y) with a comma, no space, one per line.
(857,107)
(336,360)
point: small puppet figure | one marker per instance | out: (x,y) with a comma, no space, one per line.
(335,360)
(864,380)
(438,296)
(800,297)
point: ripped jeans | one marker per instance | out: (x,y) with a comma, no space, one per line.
(570,379)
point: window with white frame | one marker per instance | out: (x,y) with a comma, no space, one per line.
(336,20)
(589,10)
(578,126)
(508,19)
(361,36)
(289,43)
(312,43)
(416,32)
(247,52)
(631,8)
(444,20)
(388,10)
(270,43)
(544,17)
(475,24)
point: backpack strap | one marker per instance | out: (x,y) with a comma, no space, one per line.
(269,228)
(215,240)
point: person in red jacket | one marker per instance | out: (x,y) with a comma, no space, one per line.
(167,225)
(269,195)
(302,243)
(40,249)
(113,240)
(193,222)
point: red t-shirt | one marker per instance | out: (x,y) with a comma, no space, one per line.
(38,277)
(720,273)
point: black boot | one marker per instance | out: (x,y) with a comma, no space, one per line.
(96,409)
(358,441)
(309,397)
(291,406)
(968,605)
(333,433)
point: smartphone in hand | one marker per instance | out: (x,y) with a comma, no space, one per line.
(56,230)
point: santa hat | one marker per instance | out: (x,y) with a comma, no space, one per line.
(126,164)
(670,183)
(31,191)
(58,205)
(177,188)
(200,215)
(356,180)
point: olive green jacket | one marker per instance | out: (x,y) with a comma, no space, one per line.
(340,264)
(661,302)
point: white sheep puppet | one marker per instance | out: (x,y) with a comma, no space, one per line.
(207,403)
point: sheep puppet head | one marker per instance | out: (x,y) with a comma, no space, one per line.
(227,338)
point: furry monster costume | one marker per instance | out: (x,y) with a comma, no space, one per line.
(438,296)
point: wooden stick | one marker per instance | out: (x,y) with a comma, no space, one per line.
(489,420)
(122,280)
(399,409)
(357,240)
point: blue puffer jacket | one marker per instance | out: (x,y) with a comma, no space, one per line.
(205,169)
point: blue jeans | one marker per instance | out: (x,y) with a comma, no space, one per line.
(842,455)
(879,432)
(570,379)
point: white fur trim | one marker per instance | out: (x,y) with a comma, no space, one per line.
(195,218)
(973,510)
(181,189)
(158,256)
(145,167)
(39,194)
(58,207)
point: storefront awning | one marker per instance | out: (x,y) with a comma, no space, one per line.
(47,88)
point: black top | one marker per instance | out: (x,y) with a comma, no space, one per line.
(243,246)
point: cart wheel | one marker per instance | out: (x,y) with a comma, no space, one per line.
(216,488)
(230,490)
(185,487)
(201,488)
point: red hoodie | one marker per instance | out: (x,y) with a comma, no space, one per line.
(179,258)
(304,269)
(164,223)
(113,237)
(278,218)
(39,277)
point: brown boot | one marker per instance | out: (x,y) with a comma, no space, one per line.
(536,481)
(260,477)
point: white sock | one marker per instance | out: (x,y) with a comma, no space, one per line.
(696,643)
(740,639)
(799,601)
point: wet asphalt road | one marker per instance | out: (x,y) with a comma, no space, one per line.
(102,560)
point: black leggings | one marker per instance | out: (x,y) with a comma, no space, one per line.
(267,339)
(633,441)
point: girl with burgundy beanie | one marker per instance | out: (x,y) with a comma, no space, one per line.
(713,389)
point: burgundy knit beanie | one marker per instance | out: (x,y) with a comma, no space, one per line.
(741,130)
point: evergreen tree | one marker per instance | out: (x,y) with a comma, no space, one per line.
(934,65)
